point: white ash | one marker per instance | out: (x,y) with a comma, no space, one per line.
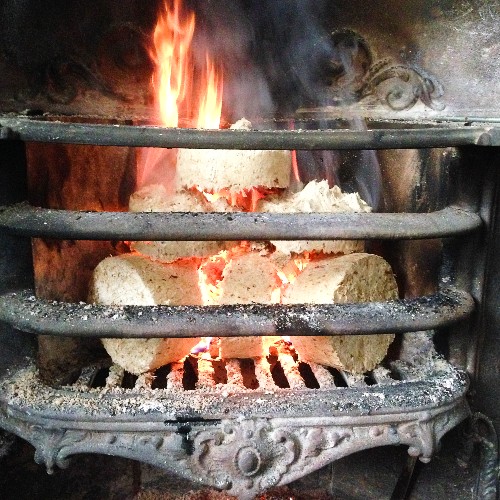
(24,389)
(115,376)
(174,377)
(290,368)
(234,376)
(323,376)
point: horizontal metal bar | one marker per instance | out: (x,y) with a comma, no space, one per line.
(25,220)
(24,312)
(424,136)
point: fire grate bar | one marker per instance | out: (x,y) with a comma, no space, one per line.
(27,313)
(25,220)
(207,378)
(323,376)
(26,129)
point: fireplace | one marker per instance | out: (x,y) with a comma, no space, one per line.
(244,426)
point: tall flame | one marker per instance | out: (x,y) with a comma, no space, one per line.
(174,75)
(181,88)
(172,39)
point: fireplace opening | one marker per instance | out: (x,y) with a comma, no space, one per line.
(260,404)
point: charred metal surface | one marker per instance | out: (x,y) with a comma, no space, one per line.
(25,220)
(26,129)
(241,441)
(26,313)
(390,56)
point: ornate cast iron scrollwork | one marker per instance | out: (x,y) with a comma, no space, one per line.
(243,456)
(120,68)
(405,86)
(353,76)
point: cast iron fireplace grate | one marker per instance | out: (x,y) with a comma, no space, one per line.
(223,432)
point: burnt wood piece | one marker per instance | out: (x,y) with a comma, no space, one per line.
(25,220)
(26,313)
(73,177)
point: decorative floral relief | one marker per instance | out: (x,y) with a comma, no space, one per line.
(241,456)
(248,454)
(400,87)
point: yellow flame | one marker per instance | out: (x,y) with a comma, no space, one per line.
(211,100)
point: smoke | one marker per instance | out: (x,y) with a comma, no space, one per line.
(227,31)
(274,53)
(292,47)
(279,56)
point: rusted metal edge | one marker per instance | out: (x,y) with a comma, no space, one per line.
(26,129)
(25,220)
(24,312)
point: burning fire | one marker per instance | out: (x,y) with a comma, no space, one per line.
(175,71)
(290,272)
(181,88)
(245,200)
(210,108)
(191,86)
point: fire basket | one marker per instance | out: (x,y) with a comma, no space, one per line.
(230,435)
(246,424)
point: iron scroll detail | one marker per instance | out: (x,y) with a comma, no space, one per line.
(400,87)
(353,75)
(243,456)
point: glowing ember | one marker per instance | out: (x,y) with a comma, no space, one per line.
(212,197)
(290,272)
(245,200)
(295,166)
(209,275)
(276,295)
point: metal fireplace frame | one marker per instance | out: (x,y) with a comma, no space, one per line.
(241,442)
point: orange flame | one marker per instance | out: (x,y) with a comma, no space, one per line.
(289,273)
(209,274)
(211,100)
(172,39)
(173,78)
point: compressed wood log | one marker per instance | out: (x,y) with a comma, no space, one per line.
(351,278)
(136,280)
(154,198)
(316,197)
(214,170)
(248,278)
